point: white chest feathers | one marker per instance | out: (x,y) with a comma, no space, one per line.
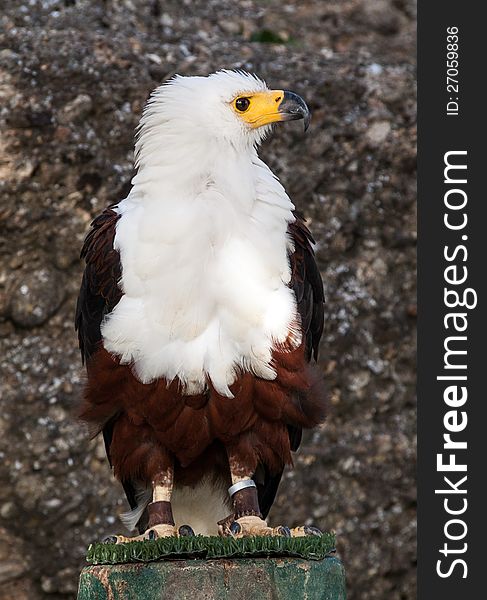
(205,281)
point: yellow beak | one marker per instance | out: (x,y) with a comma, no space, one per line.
(275,106)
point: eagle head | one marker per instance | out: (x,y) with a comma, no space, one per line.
(232,106)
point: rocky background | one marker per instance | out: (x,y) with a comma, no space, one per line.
(74,76)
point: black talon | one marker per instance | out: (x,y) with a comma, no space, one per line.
(309,530)
(284,531)
(186,531)
(235,528)
(152,535)
(110,539)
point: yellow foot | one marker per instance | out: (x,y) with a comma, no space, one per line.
(305,530)
(249,526)
(153,533)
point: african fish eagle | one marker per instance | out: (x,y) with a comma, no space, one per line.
(200,309)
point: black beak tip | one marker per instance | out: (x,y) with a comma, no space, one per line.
(294,107)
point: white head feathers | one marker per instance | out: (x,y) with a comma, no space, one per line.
(197,110)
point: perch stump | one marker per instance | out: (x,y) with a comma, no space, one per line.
(220,579)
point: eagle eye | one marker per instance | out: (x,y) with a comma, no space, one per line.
(242,104)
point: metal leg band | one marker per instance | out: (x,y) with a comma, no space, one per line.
(240,485)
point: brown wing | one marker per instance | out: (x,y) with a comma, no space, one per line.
(307,285)
(99,292)
(98,296)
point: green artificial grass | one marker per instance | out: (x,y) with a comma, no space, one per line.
(309,547)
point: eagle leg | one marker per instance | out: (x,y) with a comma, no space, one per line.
(247,519)
(161,520)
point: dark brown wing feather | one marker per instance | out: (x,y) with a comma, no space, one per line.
(307,285)
(98,296)
(99,292)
